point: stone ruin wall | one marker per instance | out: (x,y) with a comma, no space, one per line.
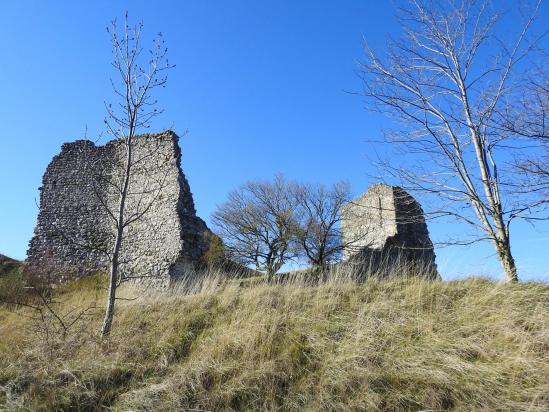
(387,224)
(73,224)
(369,220)
(169,239)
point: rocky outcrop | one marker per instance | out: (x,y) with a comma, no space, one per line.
(74,233)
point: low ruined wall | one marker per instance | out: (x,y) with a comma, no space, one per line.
(75,230)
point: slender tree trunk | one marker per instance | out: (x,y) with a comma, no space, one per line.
(491,191)
(509,266)
(113,279)
(270,273)
(114,272)
(503,247)
(269,265)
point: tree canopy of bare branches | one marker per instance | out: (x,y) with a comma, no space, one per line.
(450,82)
(527,120)
(257,225)
(318,220)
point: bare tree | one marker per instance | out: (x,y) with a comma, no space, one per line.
(528,120)
(256,225)
(318,220)
(137,76)
(447,81)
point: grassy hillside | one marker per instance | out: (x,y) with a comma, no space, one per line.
(379,345)
(8,265)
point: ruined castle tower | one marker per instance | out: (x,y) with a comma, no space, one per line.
(386,224)
(74,232)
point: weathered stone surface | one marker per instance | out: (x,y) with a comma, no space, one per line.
(386,225)
(74,228)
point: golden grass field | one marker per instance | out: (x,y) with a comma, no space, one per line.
(389,345)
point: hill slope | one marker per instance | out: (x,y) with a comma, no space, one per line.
(380,345)
(7,264)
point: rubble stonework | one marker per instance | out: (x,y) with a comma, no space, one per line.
(384,225)
(74,229)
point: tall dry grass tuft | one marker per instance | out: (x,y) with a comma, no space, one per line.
(311,341)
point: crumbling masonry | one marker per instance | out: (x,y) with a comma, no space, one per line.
(74,229)
(386,226)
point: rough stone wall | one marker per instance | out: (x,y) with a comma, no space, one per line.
(74,228)
(387,225)
(368,220)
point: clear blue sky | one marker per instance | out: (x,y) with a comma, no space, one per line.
(260,85)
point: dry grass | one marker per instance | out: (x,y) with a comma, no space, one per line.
(400,344)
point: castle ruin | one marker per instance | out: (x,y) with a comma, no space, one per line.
(166,240)
(74,230)
(386,225)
